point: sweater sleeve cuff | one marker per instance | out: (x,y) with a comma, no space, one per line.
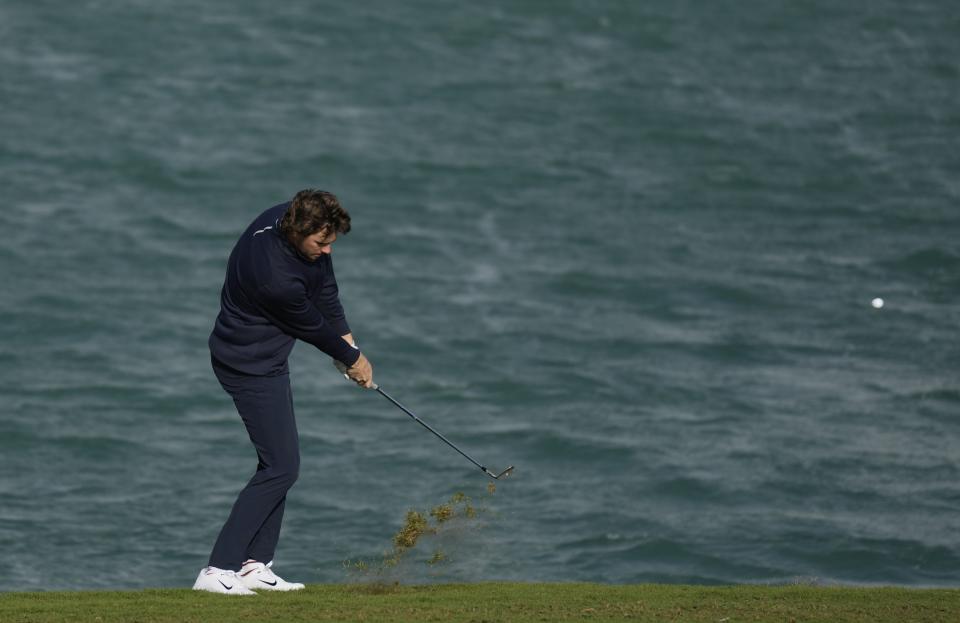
(348,355)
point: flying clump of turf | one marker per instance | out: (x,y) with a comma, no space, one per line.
(459,512)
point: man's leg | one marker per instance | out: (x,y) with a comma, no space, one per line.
(264,543)
(266,406)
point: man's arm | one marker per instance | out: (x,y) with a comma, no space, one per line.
(327,299)
(296,315)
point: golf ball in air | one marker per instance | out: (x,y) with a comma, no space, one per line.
(877,303)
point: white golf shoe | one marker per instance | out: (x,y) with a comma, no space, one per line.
(220,581)
(258,576)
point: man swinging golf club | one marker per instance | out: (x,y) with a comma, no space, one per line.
(279,287)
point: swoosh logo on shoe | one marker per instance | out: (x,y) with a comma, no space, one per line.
(229,588)
(274,583)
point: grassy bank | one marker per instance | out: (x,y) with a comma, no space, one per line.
(510,603)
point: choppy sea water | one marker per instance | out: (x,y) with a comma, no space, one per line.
(628,247)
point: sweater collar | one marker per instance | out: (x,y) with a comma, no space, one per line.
(288,247)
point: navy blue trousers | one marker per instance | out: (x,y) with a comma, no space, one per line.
(265,404)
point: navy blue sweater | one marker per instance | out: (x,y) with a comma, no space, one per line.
(270,297)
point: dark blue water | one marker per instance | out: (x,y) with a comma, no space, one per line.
(629,248)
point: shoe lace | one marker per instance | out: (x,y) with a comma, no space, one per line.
(267,571)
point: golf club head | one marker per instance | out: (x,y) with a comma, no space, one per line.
(505,472)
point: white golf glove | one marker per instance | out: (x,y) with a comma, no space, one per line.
(342,367)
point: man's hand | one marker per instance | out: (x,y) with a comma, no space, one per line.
(361,372)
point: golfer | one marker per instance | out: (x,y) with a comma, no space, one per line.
(279,287)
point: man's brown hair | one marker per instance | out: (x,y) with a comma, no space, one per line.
(311,211)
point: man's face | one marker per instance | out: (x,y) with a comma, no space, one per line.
(315,245)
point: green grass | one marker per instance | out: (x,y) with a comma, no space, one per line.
(488,602)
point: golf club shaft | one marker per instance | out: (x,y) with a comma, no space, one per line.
(429,428)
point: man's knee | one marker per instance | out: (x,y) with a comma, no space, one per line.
(292,474)
(288,471)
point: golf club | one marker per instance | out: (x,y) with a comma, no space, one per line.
(486,471)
